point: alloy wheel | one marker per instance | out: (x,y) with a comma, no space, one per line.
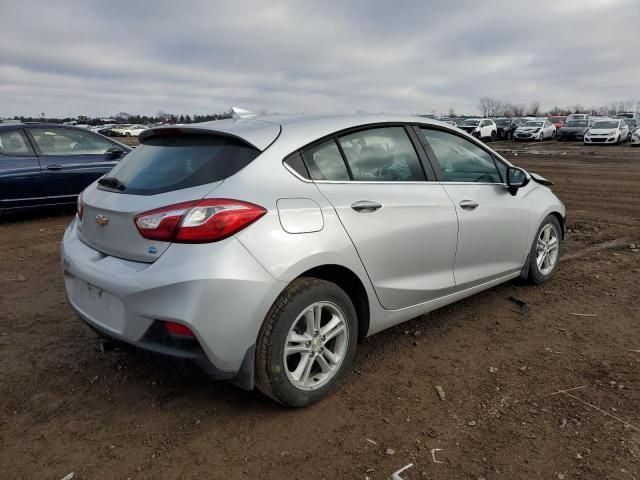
(547,249)
(316,345)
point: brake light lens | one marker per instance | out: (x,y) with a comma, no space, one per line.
(199,221)
(80,206)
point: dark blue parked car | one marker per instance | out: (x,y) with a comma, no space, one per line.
(49,164)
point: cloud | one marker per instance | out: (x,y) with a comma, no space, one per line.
(407,57)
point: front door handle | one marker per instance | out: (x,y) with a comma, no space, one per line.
(469,205)
(366,206)
(54,167)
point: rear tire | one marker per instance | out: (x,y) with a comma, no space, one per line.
(307,343)
(544,255)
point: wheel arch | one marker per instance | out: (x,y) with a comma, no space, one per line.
(347,280)
(561,220)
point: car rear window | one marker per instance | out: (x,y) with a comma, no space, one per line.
(167,163)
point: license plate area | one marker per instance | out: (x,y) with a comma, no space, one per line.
(99,306)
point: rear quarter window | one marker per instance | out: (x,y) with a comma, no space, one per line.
(167,163)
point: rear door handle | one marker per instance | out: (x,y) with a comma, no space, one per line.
(54,167)
(469,205)
(366,206)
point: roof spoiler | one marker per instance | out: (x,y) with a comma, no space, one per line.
(238,112)
(177,130)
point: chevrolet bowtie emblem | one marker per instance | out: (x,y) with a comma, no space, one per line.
(101,220)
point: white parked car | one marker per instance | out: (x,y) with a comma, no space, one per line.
(482,128)
(578,116)
(635,115)
(538,129)
(133,130)
(118,130)
(612,131)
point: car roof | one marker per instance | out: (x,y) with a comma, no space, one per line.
(261,132)
(5,126)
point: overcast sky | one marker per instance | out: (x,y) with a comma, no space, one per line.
(100,58)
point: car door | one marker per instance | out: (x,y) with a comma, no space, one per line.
(493,224)
(20,175)
(402,223)
(72,158)
(550,128)
(624,130)
(485,129)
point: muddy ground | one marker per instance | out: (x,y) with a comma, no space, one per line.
(68,406)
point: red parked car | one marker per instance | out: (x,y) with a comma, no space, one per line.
(557,121)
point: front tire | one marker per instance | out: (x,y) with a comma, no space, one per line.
(307,343)
(544,256)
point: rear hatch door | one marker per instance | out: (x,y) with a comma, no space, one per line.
(168,168)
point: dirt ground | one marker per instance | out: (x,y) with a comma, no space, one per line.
(68,406)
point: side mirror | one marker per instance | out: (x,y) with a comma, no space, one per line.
(516,179)
(114,153)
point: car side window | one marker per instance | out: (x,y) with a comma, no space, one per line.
(325,162)
(382,155)
(14,142)
(62,141)
(460,159)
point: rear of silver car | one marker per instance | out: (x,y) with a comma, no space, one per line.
(188,292)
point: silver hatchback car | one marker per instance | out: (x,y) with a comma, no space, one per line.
(262,249)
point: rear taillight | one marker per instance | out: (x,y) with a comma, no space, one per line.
(80,206)
(199,221)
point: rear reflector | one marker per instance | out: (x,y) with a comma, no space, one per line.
(178,329)
(199,221)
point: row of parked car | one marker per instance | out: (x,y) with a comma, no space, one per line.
(624,127)
(119,130)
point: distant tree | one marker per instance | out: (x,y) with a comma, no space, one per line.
(576,108)
(534,108)
(452,112)
(187,119)
(490,107)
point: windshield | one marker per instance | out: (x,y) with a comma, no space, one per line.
(577,123)
(471,123)
(603,125)
(631,122)
(503,122)
(557,119)
(532,124)
(167,163)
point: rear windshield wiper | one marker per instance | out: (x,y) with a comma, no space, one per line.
(112,182)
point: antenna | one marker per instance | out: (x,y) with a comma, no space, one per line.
(242,112)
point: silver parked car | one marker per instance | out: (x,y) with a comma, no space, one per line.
(262,249)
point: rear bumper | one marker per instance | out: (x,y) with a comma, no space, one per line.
(218,290)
